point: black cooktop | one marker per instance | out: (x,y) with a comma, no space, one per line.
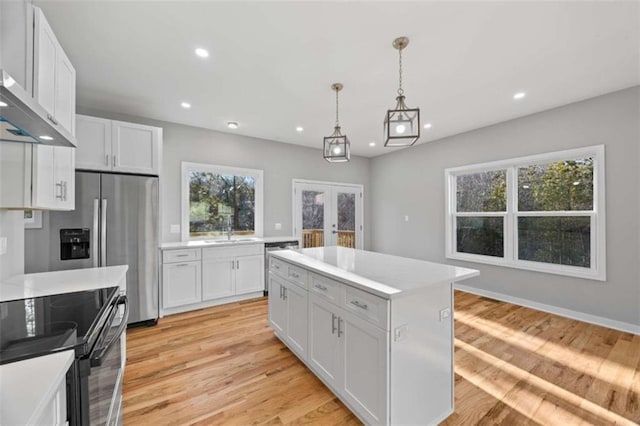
(42,325)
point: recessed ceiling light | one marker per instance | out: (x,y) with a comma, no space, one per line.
(232,124)
(202,52)
(45,138)
(185,105)
(519,95)
(299,129)
(427,126)
(3,104)
(372,144)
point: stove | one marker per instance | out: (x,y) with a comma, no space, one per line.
(43,325)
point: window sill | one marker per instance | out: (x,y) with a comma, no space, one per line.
(569,271)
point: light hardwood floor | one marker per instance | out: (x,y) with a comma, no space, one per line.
(513,365)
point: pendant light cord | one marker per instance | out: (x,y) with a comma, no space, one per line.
(400,90)
(337,121)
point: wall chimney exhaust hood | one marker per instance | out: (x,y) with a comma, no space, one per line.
(22,119)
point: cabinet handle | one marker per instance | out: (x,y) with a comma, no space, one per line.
(59,196)
(284,293)
(64,188)
(340,332)
(281,295)
(320,287)
(180,265)
(275,266)
(237,264)
(294,274)
(360,305)
(233,265)
(333,324)
(106,160)
(182,255)
(52,119)
(114,161)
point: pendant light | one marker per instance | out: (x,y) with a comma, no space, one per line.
(337,146)
(401,124)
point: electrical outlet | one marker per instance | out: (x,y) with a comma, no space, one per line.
(444,314)
(400,333)
(278,226)
(3,245)
(406,218)
(174,229)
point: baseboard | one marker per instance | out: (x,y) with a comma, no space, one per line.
(210,303)
(568,313)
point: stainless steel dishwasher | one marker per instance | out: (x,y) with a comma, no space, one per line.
(274,246)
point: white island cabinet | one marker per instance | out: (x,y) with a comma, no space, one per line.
(376,329)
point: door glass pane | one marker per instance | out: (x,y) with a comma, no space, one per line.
(560,240)
(347,219)
(312,219)
(480,235)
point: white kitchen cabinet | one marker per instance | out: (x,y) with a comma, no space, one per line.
(324,346)
(54,78)
(290,313)
(37,177)
(118,146)
(218,277)
(277,306)
(249,274)
(181,283)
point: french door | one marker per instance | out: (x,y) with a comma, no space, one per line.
(327,214)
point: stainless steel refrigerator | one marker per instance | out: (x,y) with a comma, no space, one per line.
(115,223)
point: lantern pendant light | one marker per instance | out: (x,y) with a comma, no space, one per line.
(337,146)
(401,124)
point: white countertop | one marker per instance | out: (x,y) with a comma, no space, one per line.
(223,242)
(46,283)
(381,274)
(27,386)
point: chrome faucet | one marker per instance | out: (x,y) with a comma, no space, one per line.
(229,229)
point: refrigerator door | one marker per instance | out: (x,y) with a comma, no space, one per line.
(130,208)
(45,249)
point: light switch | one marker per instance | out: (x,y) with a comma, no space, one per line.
(174,229)
(3,245)
(406,218)
(278,226)
(444,314)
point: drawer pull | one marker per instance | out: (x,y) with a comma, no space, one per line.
(275,266)
(180,265)
(320,287)
(294,274)
(360,305)
(182,255)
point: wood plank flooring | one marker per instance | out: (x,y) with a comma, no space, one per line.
(513,365)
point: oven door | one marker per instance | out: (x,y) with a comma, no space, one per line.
(107,370)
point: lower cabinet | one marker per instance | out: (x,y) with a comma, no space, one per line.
(218,278)
(181,284)
(351,355)
(288,313)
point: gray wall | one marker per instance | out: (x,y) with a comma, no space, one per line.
(411,182)
(281,163)
(12,227)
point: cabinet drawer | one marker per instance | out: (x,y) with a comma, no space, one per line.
(277,266)
(186,255)
(297,275)
(331,290)
(232,251)
(366,305)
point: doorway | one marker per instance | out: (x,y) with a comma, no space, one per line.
(327,214)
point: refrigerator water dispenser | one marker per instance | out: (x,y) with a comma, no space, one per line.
(74,243)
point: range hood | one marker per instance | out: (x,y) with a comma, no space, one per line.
(22,119)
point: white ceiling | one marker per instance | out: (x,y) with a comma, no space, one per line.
(271,64)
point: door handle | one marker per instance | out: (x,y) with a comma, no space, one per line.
(103,234)
(237,264)
(59,195)
(340,332)
(114,161)
(94,238)
(334,232)
(233,265)
(52,119)
(333,324)
(284,293)
(106,160)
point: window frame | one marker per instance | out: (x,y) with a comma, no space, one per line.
(597,269)
(188,167)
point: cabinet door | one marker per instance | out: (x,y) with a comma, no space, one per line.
(297,314)
(365,367)
(45,47)
(135,148)
(181,284)
(324,346)
(45,191)
(94,143)
(249,274)
(217,278)
(64,177)
(277,306)
(65,94)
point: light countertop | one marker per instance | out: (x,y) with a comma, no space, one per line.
(381,274)
(222,242)
(46,283)
(27,386)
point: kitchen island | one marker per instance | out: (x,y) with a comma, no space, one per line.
(376,329)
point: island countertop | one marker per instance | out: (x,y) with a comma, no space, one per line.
(384,275)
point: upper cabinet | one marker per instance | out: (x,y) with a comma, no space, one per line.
(117,146)
(54,77)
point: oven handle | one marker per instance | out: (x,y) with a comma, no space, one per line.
(96,361)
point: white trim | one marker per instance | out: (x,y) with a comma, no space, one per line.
(597,269)
(563,312)
(200,167)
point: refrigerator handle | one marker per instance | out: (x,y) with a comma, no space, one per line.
(103,234)
(94,231)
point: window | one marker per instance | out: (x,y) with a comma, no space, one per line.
(216,198)
(543,213)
